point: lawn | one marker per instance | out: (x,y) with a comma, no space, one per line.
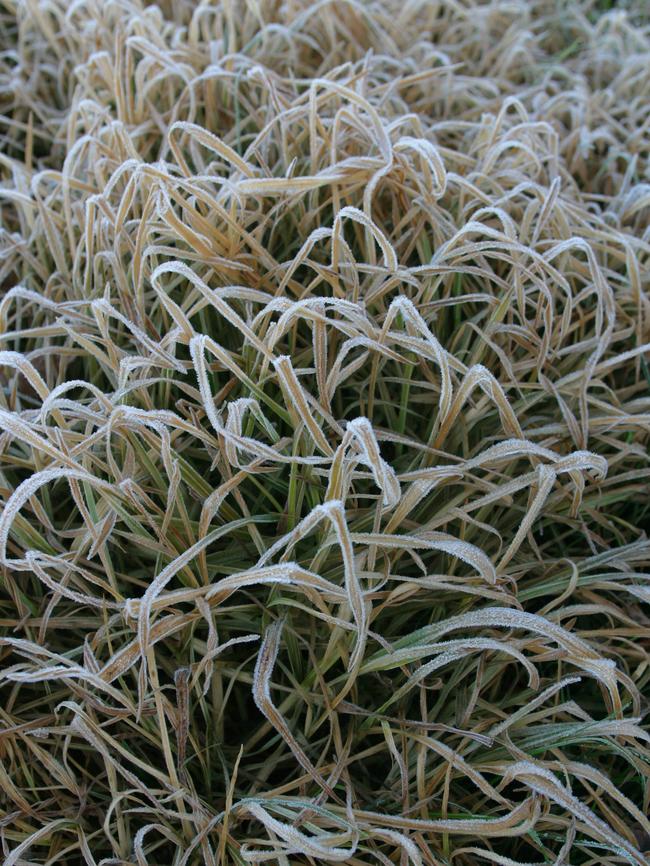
(324,432)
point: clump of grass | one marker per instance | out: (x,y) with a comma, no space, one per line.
(325,410)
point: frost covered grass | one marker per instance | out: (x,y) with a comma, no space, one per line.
(325,412)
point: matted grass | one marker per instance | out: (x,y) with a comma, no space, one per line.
(324,346)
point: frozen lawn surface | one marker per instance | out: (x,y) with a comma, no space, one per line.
(324,425)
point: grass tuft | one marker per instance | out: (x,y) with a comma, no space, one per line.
(324,426)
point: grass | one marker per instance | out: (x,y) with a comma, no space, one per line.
(325,412)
